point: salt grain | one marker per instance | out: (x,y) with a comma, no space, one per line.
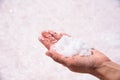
(68,46)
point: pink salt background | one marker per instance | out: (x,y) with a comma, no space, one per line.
(21,21)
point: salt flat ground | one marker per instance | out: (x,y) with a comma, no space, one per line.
(21,21)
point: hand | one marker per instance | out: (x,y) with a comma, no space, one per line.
(77,63)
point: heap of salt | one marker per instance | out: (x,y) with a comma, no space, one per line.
(68,46)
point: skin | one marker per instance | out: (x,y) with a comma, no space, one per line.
(82,64)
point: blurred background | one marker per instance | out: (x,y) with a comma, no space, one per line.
(22,56)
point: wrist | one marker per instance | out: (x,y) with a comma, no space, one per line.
(107,71)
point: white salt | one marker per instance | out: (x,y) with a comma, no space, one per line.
(68,46)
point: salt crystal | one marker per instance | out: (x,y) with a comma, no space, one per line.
(68,46)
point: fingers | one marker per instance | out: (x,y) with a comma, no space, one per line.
(61,34)
(50,37)
(47,39)
(55,35)
(46,34)
(57,57)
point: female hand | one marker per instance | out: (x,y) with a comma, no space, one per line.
(77,63)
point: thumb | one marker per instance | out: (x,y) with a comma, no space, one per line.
(57,57)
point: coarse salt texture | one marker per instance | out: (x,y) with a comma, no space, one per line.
(68,47)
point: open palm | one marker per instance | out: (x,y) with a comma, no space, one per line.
(77,63)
